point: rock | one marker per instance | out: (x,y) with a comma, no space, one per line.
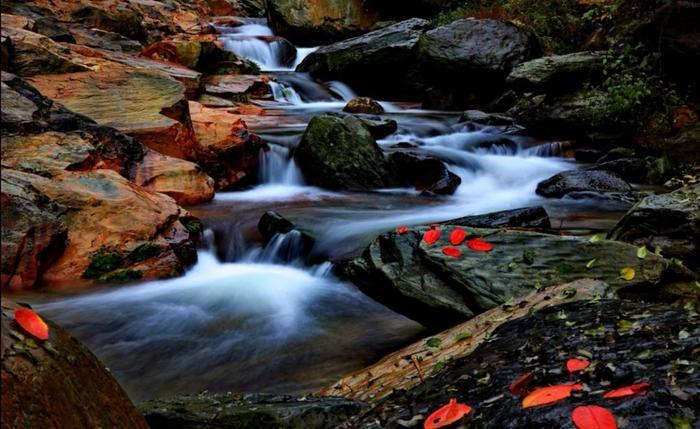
(33,54)
(419,281)
(557,73)
(479,117)
(379,127)
(58,383)
(570,181)
(285,49)
(425,173)
(238,87)
(228,151)
(382,63)
(314,22)
(649,170)
(628,342)
(670,221)
(252,411)
(530,217)
(363,105)
(125,21)
(182,180)
(54,30)
(273,223)
(16,21)
(96,38)
(341,154)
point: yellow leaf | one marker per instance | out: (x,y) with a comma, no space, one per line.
(590,263)
(596,238)
(627,273)
(642,252)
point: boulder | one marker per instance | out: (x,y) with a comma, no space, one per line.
(670,222)
(625,342)
(382,63)
(313,22)
(127,21)
(529,217)
(251,411)
(341,154)
(96,38)
(238,87)
(425,173)
(572,181)
(31,54)
(379,127)
(363,105)
(421,282)
(479,117)
(58,383)
(557,73)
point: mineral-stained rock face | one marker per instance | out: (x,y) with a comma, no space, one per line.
(625,342)
(58,384)
(231,411)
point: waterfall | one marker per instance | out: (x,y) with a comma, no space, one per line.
(342,90)
(285,94)
(277,167)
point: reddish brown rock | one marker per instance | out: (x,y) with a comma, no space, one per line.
(363,105)
(58,383)
(238,87)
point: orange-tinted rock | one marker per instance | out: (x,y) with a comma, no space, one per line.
(182,180)
(16,21)
(238,87)
(58,384)
(363,105)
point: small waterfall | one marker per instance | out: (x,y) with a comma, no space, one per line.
(285,94)
(288,248)
(278,167)
(342,90)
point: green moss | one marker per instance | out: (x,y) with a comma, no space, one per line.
(121,276)
(101,263)
(145,251)
(186,254)
(194,226)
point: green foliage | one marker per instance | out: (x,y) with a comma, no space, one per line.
(433,343)
(145,251)
(193,225)
(101,263)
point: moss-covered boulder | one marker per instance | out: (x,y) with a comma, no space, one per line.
(557,72)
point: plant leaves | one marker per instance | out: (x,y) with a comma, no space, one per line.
(642,252)
(452,251)
(549,395)
(593,417)
(631,390)
(431,236)
(519,386)
(401,230)
(447,415)
(32,323)
(575,364)
(479,245)
(457,236)
(627,273)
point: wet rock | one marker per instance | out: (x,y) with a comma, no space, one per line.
(314,22)
(379,127)
(250,411)
(626,342)
(238,87)
(557,73)
(648,170)
(529,217)
(670,221)
(58,383)
(285,49)
(573,181)
(419,281)
(426,173)
(272,223)
(363,105)
(292,243)
(479,117)
(587,155)
(381,63)
(341,154)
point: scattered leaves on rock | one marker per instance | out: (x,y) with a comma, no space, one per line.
(32,323)
(575,364)
(631,390)
(593,417)
(479,245)
(446,415)
(457,236)
(549,395)
(452,251)
(431,236)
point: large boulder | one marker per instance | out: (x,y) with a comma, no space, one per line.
(381,63)
(418,280)
(252,411)
(314,22)
(625,342)
(670,222)
(340,153)
(557,72)
(58,383)
(572,181)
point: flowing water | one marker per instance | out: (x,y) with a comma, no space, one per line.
(254,317)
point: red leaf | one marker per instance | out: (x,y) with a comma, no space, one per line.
(457,236)
(574,365)
(520,385)
(479,245)
(593,417)
(631,390)
(447,415)
(431,236)
(402,230)
(452,251)
(32,323)
(549,395)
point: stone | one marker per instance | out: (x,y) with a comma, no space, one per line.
(572,181)
(479,117)
(529,217)
(363,105)
(557,73)
(426,173)
(34,54)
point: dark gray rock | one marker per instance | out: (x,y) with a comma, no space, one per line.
(557,72)
(480,117)
(379,127)
(572,181)
(424,172)
(529,217)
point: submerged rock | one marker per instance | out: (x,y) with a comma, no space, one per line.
(251,411)
(58,383)
(670,222)
(572,181)
(625,342)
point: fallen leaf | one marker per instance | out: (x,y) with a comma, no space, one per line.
(431,236)
(479,245)
(452,251)
(642,252)
(593,417)
(447,415)
(457,236)
(590,263)
(549,395)
(627,273)
(402,230)
(575,364)
(519,386)
(631,390)
(32,323)
(596,238)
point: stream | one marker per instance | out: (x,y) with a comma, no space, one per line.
(252,317)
